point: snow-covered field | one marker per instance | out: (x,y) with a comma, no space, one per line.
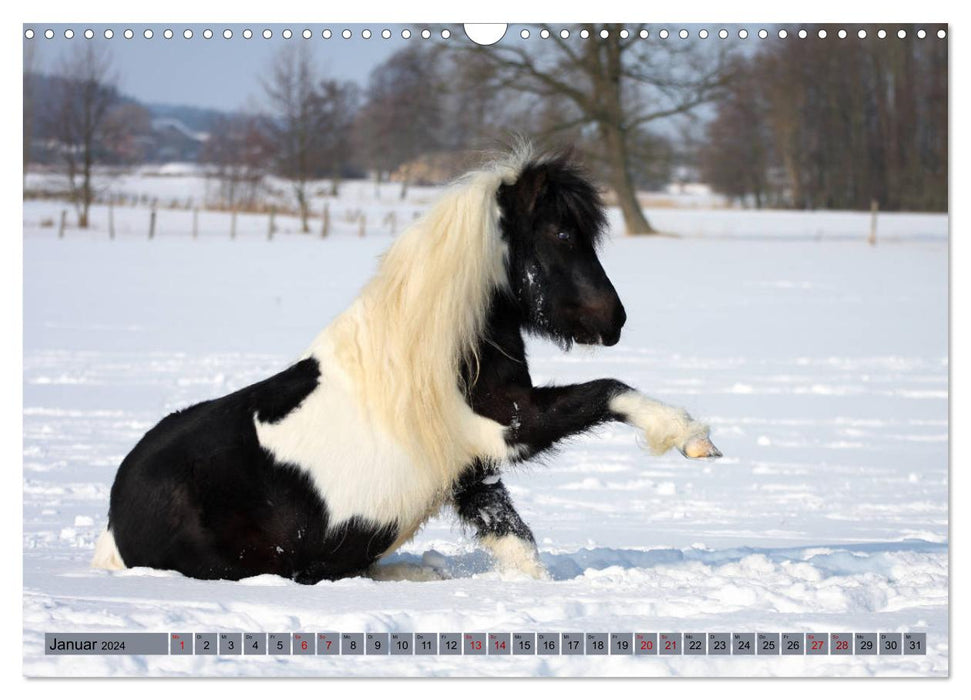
(820,362)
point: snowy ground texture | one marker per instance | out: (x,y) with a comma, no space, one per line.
(821,365)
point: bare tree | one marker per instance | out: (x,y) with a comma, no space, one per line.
(86,94)
(613,84)
(291,88)
(239,149)
(337,108)
(30,60)
(402,115)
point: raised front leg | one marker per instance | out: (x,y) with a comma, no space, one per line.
(664,426)
(483,503)
(541,416)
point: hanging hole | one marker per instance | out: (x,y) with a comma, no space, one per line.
(487,34)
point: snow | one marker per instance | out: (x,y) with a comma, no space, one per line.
(821,364)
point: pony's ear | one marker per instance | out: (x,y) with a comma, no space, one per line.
(533,187)
(526,191)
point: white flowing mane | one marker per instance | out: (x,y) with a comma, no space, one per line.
(404,338)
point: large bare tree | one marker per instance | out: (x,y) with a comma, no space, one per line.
(85,95)
(613,85)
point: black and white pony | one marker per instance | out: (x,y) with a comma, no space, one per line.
(414,397)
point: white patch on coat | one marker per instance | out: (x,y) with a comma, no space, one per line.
(358,468)
(106,554)
(663,426)
(387,431)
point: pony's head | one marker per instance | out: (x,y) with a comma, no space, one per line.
(551,219)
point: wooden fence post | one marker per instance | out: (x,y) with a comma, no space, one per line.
(874,208)
(232,224)
(325,226)
(269,234)
(60,231)
(195,222)
(151,224)
(111,217)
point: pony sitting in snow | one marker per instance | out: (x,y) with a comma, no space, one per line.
(414,398)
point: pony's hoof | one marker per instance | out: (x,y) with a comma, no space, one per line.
(700,448)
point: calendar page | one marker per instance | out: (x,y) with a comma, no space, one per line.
(485,350)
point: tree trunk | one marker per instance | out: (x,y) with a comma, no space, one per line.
(635,223)
(607,92)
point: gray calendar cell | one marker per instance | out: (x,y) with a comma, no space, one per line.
(645,644)
(915,643)
(180,643)
(230,643)
(719,643)
(597,644)
(303,644)
(377,643)
(402,643)
(205,644)
(767,643)
(621,643)
(891,643)
(841,643)
(328,643)
(793,644)
(278,643)
(426,644)
(743,643)
(548,643)
(352,644)
(105,644)
(254,643)
(571,644)
(474,644)
(817,643)
(865,643)
(523,643)
(694,644)
(500,643)
(669,643)
(450,643)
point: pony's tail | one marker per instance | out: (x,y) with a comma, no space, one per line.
(106,554)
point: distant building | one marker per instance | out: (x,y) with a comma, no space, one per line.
(175,142)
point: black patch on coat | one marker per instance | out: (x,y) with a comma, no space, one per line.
(199,495)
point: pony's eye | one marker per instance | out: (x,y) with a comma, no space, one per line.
(563,235)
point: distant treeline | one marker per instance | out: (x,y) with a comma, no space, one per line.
(807,123)
(834,124)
